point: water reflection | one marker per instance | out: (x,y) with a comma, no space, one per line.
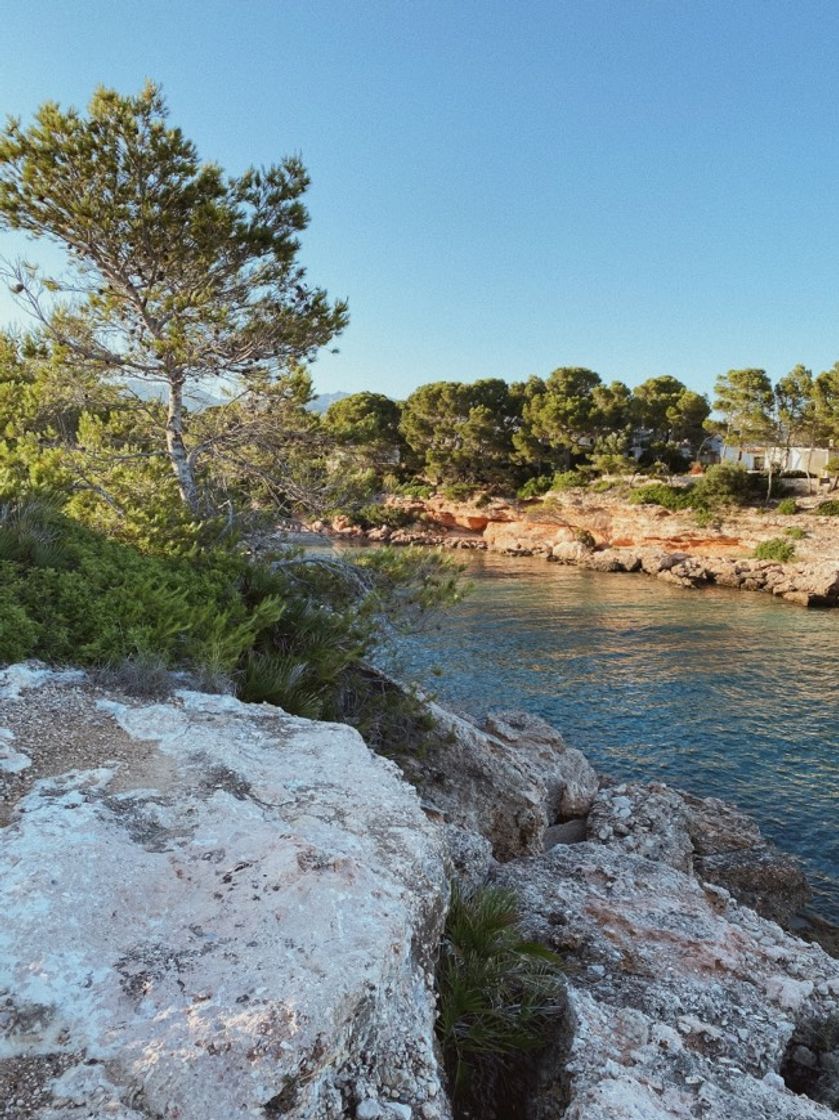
(724,693)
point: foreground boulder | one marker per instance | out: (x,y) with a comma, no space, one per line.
(222,912)
(680,1002)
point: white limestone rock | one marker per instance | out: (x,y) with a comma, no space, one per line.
(681,1005)
(507,781)
(243,920)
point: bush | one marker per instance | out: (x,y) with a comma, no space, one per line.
(662,494)
(724,484)
(288,632)
(497,996)
(377,516)
(412,489)
(775,549)
(829,508)
(795,533)
(459,491)
(568,480)
(534,487)
(787,506)
(705,519)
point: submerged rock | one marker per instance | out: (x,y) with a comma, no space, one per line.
(233,914)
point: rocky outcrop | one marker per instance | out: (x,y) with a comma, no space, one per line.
(702,836)
(608,534)
(507,781)
(223,912)
(213,909)
(680,1004)
(813,585)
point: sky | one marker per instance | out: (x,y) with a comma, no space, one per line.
(499,189)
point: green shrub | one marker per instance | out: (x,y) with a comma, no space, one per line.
(829,508)
(377,516)
(534,487)
(288,632)
(724,484)
(705,519)
(795,533)
(497,996)
(569,480)
(775,549)
(412,489)
(787,506)
(458,491)
(602,485)
(662,494)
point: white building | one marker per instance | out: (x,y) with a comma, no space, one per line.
(758,457)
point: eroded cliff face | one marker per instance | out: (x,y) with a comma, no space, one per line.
(214,910)
(610,535)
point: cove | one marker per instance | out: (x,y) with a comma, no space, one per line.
(722,693)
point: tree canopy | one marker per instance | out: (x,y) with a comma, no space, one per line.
(177,273)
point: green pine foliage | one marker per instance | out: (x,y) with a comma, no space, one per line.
(661,494)
(289,632)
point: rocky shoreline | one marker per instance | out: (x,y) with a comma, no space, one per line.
(215,909)
(615,536)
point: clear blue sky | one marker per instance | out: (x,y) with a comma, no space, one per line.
(501,188)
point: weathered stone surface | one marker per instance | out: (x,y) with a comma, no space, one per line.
(730,851)
(712,839)
(507,781)
(681,1004)
(469,855)
(570,779)
(568,552)
(569,832)
(238,923)
(645,820)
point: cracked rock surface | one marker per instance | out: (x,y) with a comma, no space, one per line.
(680,1002)
(223,912)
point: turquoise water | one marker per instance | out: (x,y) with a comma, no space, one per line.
(723,693)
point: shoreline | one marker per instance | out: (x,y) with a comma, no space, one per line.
(620,537)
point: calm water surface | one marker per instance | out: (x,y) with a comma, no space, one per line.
(722,693)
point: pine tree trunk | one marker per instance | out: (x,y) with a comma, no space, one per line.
(176,447)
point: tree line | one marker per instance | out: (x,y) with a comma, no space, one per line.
(499,435)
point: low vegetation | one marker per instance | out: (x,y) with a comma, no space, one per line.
(498,993)
(722,485)
(292,630)
(777,548)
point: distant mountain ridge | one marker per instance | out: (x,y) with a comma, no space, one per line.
(198,399)
(322,401)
